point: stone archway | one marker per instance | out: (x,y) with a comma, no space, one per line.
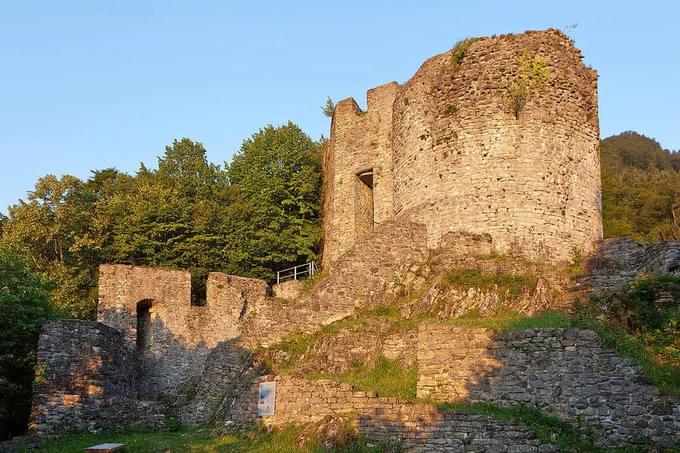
(144,331)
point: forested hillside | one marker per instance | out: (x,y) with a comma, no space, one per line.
(640,188)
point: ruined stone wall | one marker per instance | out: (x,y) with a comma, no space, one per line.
(567,373)
(179,335)
(85,379)
(349,346)
(620,260)
(418,428)
(289,290)
(461,161)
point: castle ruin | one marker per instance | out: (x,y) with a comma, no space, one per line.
(471,157)
(446,149)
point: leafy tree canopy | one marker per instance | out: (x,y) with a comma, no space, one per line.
(25,306)
(640,188)
(251,218)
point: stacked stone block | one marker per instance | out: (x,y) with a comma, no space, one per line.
(85,379)
(446,151)
(417,427)
(566,372)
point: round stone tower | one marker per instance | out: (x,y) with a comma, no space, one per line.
(498,136)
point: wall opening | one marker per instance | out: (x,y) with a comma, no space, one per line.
(365,211)
(199,282)
(143,325)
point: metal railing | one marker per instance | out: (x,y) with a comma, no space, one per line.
(306,270)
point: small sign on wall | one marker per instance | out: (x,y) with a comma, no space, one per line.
(266,399)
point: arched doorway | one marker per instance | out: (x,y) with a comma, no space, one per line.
(144,333)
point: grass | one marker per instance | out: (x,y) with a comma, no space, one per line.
(568,437)
(641,321)
(662,373)
(387,378)
(295,345)
(512,284)
(197,441)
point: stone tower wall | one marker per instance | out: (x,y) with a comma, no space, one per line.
(360,141)
(462,161)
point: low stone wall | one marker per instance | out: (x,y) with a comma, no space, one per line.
(418,428)
(85,379)
(361,277)
(565,372)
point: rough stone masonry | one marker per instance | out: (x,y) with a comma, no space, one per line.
(444,149)
(436,158)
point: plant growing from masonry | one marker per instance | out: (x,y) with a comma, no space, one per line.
(641,321)
(328,108)
(534,74)
(460,49)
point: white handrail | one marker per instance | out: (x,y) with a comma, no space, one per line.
(299,272)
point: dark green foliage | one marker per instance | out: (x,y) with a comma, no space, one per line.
(256,216)
(25,306)
(278,170)
(633,150)
(640,188)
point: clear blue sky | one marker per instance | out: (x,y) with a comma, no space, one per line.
(94,84)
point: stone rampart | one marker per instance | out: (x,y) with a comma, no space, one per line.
(418,428)
(152,308)
(565,372)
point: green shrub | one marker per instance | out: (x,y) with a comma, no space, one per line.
(25,305)
(460,49)
(643,319)
(534,74)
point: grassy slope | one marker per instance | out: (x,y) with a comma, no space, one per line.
(198,441)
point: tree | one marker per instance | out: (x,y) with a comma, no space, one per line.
(256,216)
(639,188)
(328,108)
(25,306)
(278,171)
